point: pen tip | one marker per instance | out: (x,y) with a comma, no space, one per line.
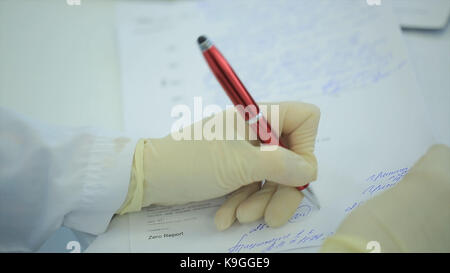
(201,39)
(204,43)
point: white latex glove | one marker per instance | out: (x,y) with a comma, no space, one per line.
(168,172)
(413,216)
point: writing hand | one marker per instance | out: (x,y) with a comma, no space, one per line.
(168,171)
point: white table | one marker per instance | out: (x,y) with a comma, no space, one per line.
(59,63)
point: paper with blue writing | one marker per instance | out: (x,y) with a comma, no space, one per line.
(345,56)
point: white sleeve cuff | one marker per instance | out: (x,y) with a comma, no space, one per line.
(105,180)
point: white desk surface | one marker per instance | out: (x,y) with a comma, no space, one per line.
(59,62)
(63,68)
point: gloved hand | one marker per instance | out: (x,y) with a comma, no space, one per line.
(168,171)
(413,216)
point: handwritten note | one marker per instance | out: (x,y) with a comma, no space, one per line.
(378,183)
(345,56)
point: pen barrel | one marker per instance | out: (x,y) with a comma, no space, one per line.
(228,79)
(261,127)
(239,96)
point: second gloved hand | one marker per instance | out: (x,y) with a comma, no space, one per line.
(167,171)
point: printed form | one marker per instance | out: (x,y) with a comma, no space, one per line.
(345,56)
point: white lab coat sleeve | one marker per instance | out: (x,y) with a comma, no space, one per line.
(52,176)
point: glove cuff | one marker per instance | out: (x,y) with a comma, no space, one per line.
(135,195)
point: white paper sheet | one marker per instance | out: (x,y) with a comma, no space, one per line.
(422,14)
(344,56)
(430,58)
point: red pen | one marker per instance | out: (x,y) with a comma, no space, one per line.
(238,94)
